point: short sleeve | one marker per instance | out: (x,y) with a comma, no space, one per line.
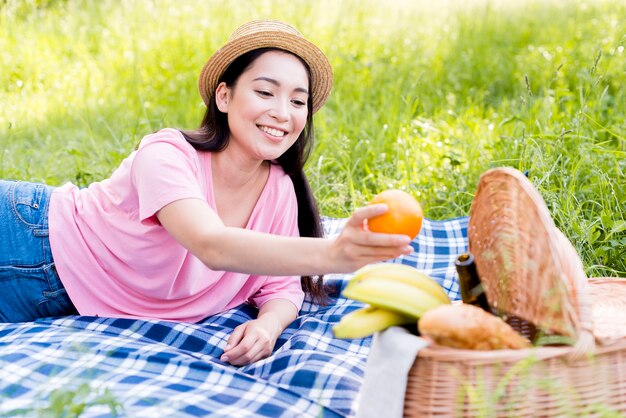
(163,172)
(279,287)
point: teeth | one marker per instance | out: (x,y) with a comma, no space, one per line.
(272,131)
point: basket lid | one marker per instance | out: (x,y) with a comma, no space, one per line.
(527,266)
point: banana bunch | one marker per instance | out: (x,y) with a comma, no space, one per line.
(397,294)
(368,320)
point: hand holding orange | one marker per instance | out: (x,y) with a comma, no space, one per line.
(403,217)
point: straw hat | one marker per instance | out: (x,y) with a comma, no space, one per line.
(269,34)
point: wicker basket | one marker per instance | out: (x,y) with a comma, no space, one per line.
(530,272)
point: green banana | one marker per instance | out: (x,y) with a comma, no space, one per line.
(401,273)
(368,320)
(394,295)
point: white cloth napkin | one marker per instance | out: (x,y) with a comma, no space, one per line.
(391,357)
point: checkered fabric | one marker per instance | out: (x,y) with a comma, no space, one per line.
(435,249)
(139,368)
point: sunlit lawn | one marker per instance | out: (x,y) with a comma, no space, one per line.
(427,96)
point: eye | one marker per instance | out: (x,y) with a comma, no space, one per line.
(298,102)
(264,93)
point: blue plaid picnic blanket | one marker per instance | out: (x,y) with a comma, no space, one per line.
(105,367)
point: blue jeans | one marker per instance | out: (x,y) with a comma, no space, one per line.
(30,287)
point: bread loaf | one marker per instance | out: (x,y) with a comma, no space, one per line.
(469,327)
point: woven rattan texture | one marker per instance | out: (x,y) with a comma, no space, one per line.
(531,271)
(542,384)
(513,239)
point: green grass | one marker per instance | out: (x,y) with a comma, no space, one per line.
(426,97)
(72,402)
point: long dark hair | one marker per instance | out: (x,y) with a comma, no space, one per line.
(213,135)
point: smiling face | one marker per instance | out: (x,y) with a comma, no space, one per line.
(267,106)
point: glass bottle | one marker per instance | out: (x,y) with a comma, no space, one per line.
(472,291)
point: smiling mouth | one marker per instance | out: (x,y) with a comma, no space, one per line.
(277,133)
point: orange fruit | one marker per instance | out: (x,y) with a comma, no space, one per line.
(403,217)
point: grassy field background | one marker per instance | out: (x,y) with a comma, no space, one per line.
(426,97)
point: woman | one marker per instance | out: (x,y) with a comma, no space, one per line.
(194,223)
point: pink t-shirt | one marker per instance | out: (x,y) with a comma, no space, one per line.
(115,259)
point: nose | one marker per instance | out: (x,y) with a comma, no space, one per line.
(280,110)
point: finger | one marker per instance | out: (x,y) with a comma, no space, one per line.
(250,356)
(383,253)
(236,336)
(247,356)
(366,212)
(233,340)
(245,345)
(260,353)
(378,239)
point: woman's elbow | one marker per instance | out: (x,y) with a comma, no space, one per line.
(209,248)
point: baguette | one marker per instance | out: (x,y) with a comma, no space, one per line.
(469,327)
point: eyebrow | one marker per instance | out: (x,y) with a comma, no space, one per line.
(276,83)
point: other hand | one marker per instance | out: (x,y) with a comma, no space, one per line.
(356,246)
(251,341)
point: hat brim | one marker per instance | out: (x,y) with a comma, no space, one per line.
(320,68)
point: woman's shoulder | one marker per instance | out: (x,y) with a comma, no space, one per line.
(277,174)
(166,147)
(169,136)
(280,182)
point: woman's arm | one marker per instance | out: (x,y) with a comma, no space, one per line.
(256,339)
(198,228)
